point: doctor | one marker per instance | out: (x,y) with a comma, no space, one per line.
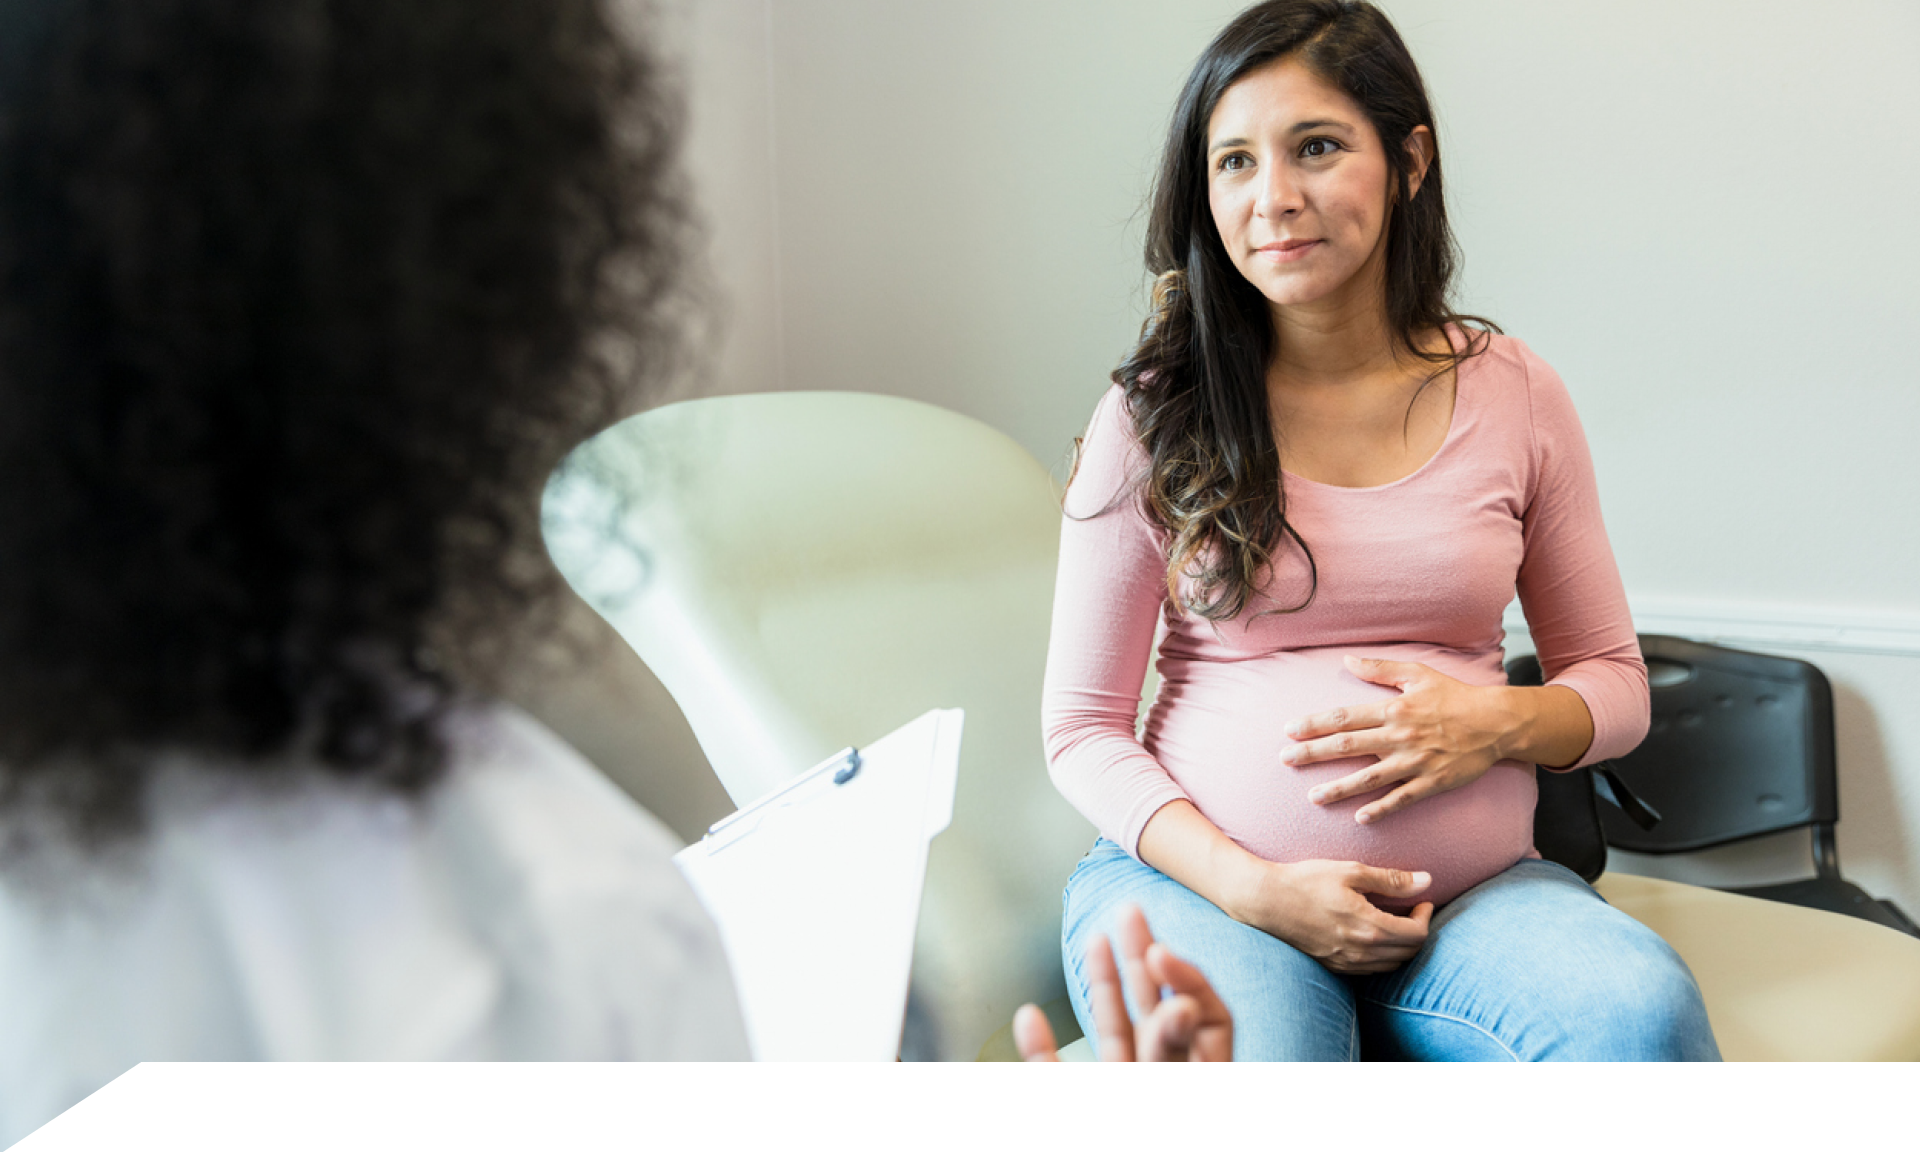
(299,305)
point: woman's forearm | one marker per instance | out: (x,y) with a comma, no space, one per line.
(1181,843)
(1549,726)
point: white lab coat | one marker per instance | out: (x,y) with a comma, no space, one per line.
(523,909)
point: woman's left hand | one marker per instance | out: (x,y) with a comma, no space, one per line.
(1437,735)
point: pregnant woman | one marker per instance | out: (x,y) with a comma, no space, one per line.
(1318,487)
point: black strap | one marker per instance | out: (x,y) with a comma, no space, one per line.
(1614,790)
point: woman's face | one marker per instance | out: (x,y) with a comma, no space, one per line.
(1299,186)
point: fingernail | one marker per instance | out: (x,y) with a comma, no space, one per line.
(1363,817)
(1317,795)
(1422,878)
(1297,729)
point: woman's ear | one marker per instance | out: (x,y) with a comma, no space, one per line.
(1419,156)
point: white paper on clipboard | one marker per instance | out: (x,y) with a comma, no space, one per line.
(816,891)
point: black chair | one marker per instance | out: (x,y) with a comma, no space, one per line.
(1741,746)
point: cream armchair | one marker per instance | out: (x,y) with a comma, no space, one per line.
(808,570)
(1784,982)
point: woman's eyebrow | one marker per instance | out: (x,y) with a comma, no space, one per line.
(1302,126)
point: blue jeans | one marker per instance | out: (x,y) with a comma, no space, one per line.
(1530,965)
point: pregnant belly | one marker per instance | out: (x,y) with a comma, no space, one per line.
(1219,729)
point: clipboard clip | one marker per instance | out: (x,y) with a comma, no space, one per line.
(842,766)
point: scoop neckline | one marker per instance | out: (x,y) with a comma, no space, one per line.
(1453,431)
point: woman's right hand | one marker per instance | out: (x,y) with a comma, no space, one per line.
(1321,908)
(1318,906)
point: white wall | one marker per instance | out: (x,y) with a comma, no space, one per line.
(1699,212)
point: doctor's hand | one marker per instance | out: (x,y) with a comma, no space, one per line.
(1190,1025)
(1437,735)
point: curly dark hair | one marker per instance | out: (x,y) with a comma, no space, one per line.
(300,300)
(1195,384)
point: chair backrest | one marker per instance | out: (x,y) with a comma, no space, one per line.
(1741,745)
(808,570)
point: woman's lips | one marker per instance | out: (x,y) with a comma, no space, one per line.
(1286,251)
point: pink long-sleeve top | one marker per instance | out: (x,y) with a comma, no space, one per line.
(1417,570)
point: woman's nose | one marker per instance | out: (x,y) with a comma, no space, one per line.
(1279,193)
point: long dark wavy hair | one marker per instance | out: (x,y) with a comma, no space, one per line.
(1195,384)
(300,300)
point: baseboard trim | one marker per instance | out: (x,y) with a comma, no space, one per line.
(1771,626)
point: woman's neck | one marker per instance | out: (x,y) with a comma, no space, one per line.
(1335,345)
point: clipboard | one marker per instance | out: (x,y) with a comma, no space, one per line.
(816,891)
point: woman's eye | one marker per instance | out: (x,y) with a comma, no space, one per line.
(1234,161)
(1319,146)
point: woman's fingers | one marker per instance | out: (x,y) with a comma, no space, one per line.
(1381,955)
(1387,882)
(1343,929)
(1384,936)
(1406,796)
(1344,746)
(1438,735)
(1385,945)
(1415,782)
(1372,778)
(1354,719)
(1391,673)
